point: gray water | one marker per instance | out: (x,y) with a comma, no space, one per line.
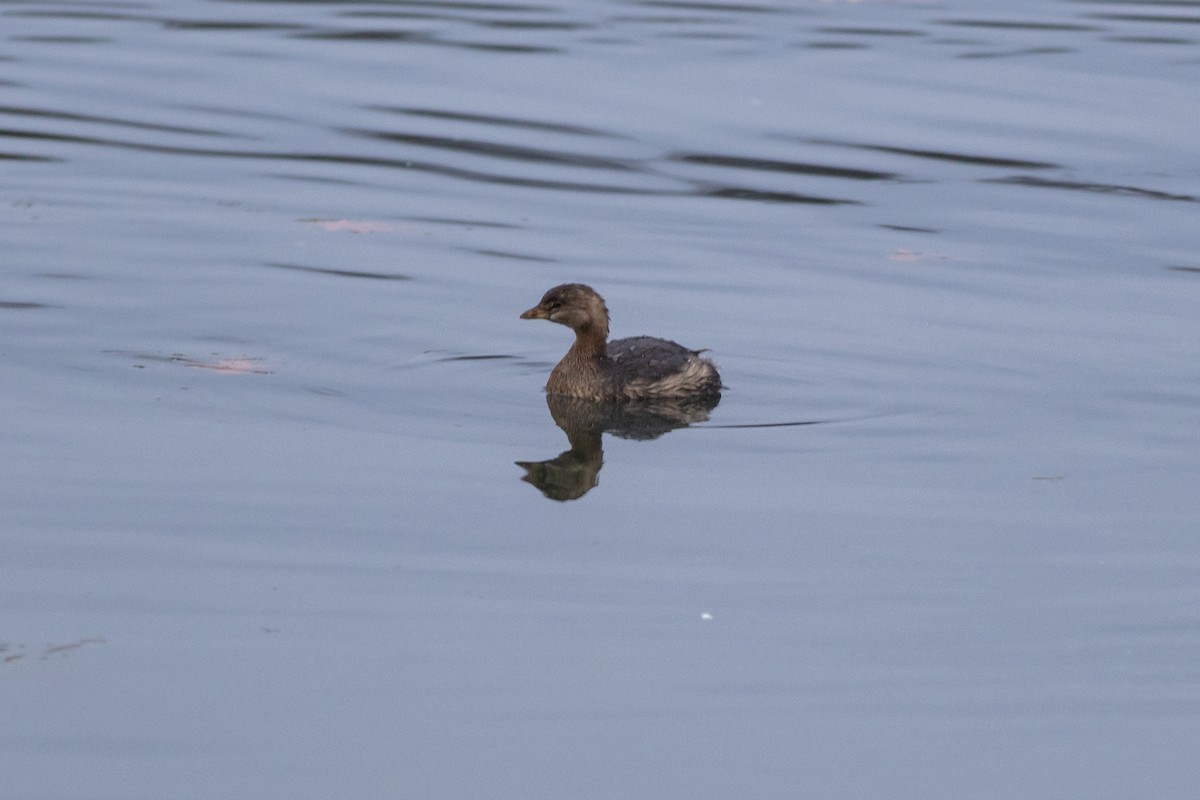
(263,391)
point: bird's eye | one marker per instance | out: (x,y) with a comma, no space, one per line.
(554,305)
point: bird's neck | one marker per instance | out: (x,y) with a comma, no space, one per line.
(591,341)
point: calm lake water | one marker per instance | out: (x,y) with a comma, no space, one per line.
(264,391)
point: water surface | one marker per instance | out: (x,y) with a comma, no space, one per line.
(263,391)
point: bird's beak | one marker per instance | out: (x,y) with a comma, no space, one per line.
(537,312)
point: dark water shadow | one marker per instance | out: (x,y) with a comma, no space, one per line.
(1167,40)
(421,37)
(29,157)
(508,152)
(1018,25)
(710,7)
(503,122)
(22,305)
(67,116)
(480,357)
(795,424)
(975,159)
(1096,188)
(1025,51)
(341,273)
(510,256)
(782,166)
(769,196)
(866,31)
(1152,18)
(574,472)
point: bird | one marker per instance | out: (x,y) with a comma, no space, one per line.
(637,368)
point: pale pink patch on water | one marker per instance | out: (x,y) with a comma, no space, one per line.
(355,225)
(912,256)
(229,366)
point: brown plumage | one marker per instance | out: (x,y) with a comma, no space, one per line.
(638,368)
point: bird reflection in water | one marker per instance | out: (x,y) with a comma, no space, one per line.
(573,473)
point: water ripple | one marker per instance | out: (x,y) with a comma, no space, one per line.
(786,167)
(1099,188)
(864,31)
(22,305)
(509,152)
(486,156)
(488,119)
(767,196)
(43,113)
(28,157)
(340,273)
(1020,25)
(1164,18)
(694,5)
(977,159)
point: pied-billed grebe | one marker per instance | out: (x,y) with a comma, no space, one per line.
(639,368)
